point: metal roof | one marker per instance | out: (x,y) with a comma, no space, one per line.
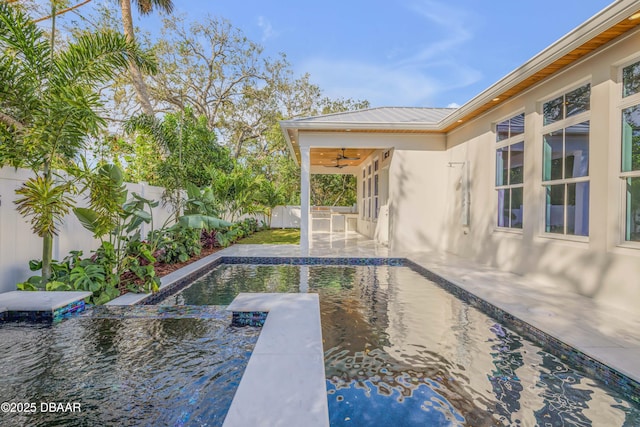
(382,115)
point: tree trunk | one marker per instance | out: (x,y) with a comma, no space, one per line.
(136,75)
(47,255)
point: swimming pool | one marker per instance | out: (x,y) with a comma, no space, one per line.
(138,366)
(400,350)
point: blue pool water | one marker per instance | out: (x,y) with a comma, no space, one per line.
(402,351)
(125,366)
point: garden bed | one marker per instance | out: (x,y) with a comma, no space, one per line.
(162,269)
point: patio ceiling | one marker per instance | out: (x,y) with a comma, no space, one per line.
(329,156)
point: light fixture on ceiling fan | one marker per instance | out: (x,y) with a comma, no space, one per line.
(337,165)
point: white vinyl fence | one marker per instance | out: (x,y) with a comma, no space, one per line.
(18,244)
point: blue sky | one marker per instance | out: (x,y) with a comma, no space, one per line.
(426,53)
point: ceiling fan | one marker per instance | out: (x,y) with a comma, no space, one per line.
(342,157)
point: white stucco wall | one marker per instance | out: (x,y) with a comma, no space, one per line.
(426,194)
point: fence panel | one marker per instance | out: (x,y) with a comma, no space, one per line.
(18,244)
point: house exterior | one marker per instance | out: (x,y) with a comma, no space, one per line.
(538,175)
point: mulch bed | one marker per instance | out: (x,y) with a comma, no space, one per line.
(163,269)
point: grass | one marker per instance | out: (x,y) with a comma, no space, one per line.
(287,236)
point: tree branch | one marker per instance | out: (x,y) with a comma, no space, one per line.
(10,121)
(60,12)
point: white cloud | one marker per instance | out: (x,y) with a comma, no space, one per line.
(452,22)
(267,28)
(453,105)
(410,80)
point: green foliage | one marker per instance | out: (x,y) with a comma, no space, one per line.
(200,201)
(237,192)
(333,190)
(45,202)
(75,274)
(202,222)
(178,244)
(88,278)
(119,220)
(270,197)
(139,261)
(107,195)
(189,148)
(49,104)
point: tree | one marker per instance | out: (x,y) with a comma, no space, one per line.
(145,7)
(270,197)
(188,149)
(49,105)
(237,192)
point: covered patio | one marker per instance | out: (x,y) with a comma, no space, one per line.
(359,143)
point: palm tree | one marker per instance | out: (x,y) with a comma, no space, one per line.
(145,7)
(49,104)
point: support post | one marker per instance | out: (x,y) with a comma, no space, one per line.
(305,208)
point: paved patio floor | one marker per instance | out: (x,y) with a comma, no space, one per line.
(604,333)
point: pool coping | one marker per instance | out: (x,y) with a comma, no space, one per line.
(41,305)
(588,360)
(284,383)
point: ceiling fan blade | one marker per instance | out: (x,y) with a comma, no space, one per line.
(343,157)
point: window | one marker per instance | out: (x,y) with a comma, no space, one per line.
(510,171)
(565,169)
(630,165)
(368,203)
(376,189)
(364,193)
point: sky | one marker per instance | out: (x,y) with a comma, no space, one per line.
(415,53)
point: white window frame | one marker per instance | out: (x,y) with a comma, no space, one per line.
(624,103)
(556,126)
(502,144)
(363,199)
(376,188)
(369,191)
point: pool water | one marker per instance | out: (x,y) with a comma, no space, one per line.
(401,351)
(126,366)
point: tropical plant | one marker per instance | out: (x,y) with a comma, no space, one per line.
(124,248)
(178,244)
(188,148)
(138,261)
(271,196)
(237,192)
(107,195)
(49,104)
(74,274)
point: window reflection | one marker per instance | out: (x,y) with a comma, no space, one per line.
(552,110)
(631,139)
(577,101)
(577,150)
(631,79)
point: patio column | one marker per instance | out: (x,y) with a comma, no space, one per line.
(305,210)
